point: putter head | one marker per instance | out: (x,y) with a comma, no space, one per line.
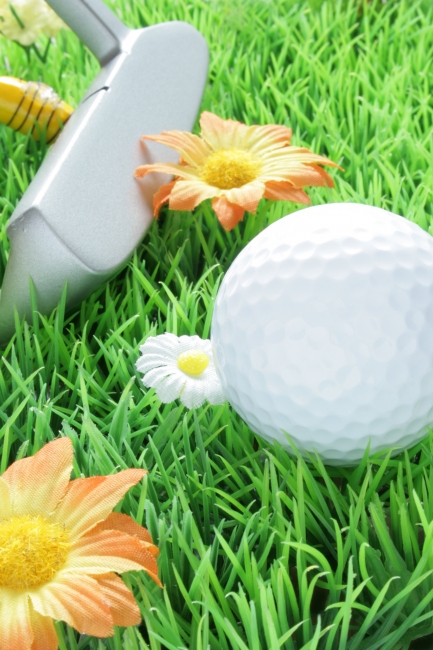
(84,213)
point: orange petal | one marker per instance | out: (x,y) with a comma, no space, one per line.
(110,550)
(124,523)
(186,195)
(45,636)
(262,139)
(90,500)
(77,600)
(285,192)
(247,196)
(225,134)
(162,196)
(293,155)
(301,176)
(192,148)
(5,500)
(38,483)
(15,626)
(228,214)
(123,608)
(222,134)
(182,171)
(328,181)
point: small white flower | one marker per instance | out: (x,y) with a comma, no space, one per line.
(180,367)
(36,16)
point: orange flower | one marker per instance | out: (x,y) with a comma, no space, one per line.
(236,165)
(61,548)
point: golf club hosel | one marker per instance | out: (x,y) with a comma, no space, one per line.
(94,24)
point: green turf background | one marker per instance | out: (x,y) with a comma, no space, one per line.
(259,549)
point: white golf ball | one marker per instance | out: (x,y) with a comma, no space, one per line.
(323,329)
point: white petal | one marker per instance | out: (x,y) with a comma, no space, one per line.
(153,378)
(149,361)
(193,342)
(169,389)
(192,338)
(207,345)
(210,373)
(215,393)
(193,394)
(163,343)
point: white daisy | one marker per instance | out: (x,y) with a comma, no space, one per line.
(180,366)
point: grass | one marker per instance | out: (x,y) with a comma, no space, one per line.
(259,549)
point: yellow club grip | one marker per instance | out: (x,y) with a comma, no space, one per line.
(31,106)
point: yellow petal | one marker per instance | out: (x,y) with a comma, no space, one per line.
(5,500)
(124,523)
(123,608)
(110,550)
(192,148)
(90,500)
(38,483)
(45,636)
(16,631)
(77,600)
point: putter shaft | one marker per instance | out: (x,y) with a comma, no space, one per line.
(94,24)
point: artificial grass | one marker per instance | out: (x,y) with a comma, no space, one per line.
(258,549)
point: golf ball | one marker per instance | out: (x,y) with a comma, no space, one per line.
(323,330)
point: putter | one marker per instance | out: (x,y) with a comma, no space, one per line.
(84,213)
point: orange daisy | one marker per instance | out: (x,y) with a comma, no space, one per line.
(235,165)
(61,547)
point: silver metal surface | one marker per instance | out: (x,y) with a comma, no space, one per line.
(84,213)
(94,24)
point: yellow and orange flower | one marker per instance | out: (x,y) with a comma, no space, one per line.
(61,547)
(236,165)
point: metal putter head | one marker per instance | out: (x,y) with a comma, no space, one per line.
(84,213)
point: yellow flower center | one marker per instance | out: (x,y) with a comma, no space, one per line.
(193,362)
(230,168)
(32,551)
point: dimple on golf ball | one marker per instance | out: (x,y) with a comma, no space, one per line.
(323,329)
